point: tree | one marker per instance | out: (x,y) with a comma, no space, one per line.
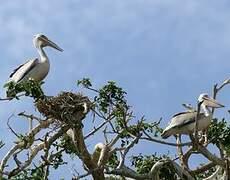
(61,131)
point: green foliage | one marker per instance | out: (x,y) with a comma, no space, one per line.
(206,174)
(111,96)
(57,161)
(143,165)
(27,140)
(38,173)
(220,132)
(67,144)
(30,87)
(113,160)
(141,126)
(85,82)
(31,174)
(111,99)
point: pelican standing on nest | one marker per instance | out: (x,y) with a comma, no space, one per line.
(37,68)
(184,122)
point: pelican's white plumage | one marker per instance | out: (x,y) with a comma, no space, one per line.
(97,152)
(38,68)
(183,123)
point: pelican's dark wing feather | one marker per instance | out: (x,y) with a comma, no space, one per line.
(186,122)
(15,70)
(181,118)
(189,118)
(179,114)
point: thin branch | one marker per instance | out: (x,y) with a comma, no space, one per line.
(105,135)
(216,90)
(203,168)
(179,148)
(183,173)
(23,114)
(97,129)
(36,149)
(92,89)
(85,175)
(5,99)
(127,172)
(10,98)
(210,156)
(215,174)
(114,141)
(186,156)
(188,107)
(149,138)
(7,157)
(11,129)
(126,150)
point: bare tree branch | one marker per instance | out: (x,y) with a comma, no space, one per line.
(126,150)
(36,149)
(203,168)
(149,138)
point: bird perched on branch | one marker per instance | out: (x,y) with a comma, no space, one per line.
(184,122)
(97,151)
(37,68)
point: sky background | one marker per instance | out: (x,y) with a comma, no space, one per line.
(163,53)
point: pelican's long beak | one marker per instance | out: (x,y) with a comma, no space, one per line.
(210,102)
(53,45)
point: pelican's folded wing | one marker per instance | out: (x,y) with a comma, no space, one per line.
(20,72)
(182,119)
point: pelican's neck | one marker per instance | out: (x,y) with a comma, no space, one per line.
(206,110)
(43,56)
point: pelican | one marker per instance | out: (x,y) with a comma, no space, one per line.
(37,68)
(97,151)
(184,122)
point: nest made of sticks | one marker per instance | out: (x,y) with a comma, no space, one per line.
(67,107)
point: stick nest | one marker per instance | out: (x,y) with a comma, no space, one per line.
(67,107)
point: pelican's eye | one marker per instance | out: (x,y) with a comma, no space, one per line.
(205,96)
(43,37)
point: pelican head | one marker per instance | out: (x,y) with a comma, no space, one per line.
(41,41)
(98,146)
(208,101)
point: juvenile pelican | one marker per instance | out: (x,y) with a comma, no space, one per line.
(97,151)
(37,68)
(184,122)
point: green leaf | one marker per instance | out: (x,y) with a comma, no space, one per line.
(85,82)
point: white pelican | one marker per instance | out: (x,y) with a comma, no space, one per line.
(184,122)
(97,151)
(37,68)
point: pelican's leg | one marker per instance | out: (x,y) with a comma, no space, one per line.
(205,137)
(201,137)
(180,152)
(30,130)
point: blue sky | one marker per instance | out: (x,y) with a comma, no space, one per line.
(163,53)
